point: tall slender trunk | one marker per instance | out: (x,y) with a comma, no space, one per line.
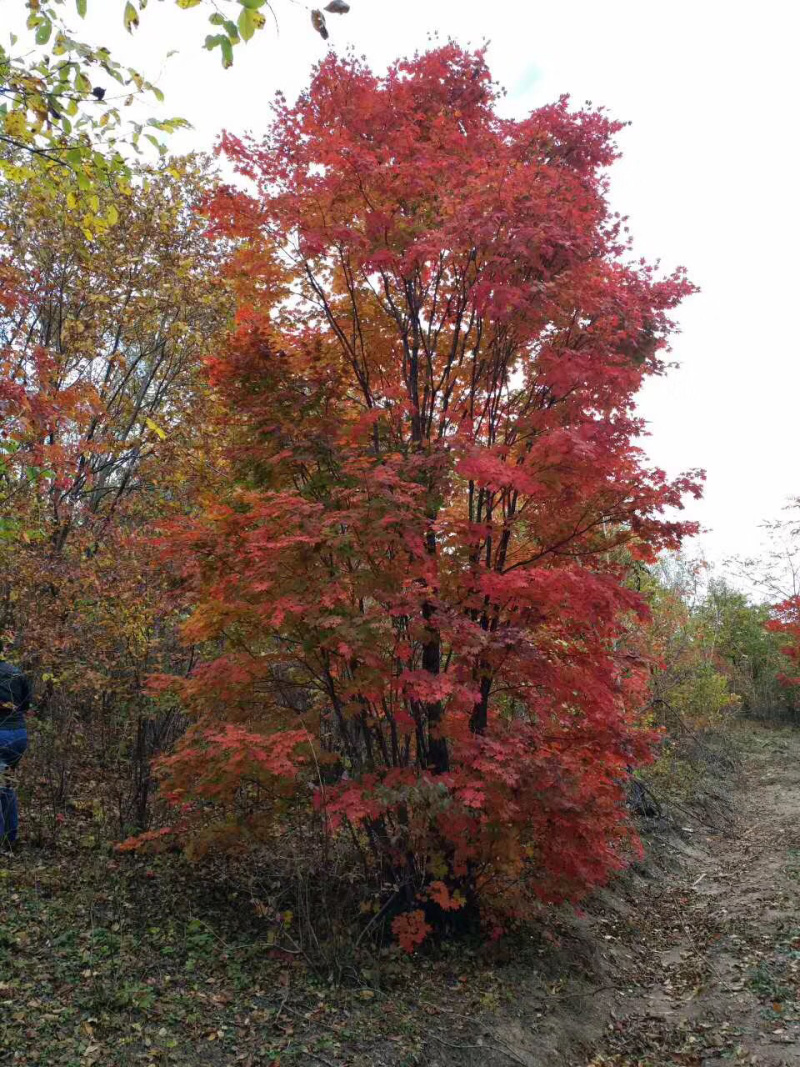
(438,753)
(479,719)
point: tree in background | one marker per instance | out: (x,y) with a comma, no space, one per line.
(712,646)
(103,404)
(744,649)
(688,688)
(63,99)
(61,120)
(785,622)
(416,576)
(774,575)
(779,576)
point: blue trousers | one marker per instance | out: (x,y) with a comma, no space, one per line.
(12,745)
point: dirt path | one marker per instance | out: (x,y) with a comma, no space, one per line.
(693,960)
(712,953)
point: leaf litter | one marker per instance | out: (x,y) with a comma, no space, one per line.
(692,958)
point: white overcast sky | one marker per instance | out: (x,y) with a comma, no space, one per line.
(708,178)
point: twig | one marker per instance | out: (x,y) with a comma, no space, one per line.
(637,783)
(484,1048)
(376,918)
(693,815)
(318,1058)
(282,1006)
(573,996)
(211,930)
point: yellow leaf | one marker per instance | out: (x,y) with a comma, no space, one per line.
(155,428)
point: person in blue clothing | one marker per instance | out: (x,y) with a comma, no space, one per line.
(15,700)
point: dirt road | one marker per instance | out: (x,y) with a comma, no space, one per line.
(695,959)
(711,954)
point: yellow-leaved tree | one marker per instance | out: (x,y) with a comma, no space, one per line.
(103,406)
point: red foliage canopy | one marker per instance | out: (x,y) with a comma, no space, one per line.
(431,392)
(785,621)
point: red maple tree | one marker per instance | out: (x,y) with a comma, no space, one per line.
(785,622)
(419,575)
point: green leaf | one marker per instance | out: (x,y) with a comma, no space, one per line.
(229,27)
(81,6)
(252,5)
(130,17)
(114,73)
(43,32)
(249,21)
(188,3)
(227,52)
